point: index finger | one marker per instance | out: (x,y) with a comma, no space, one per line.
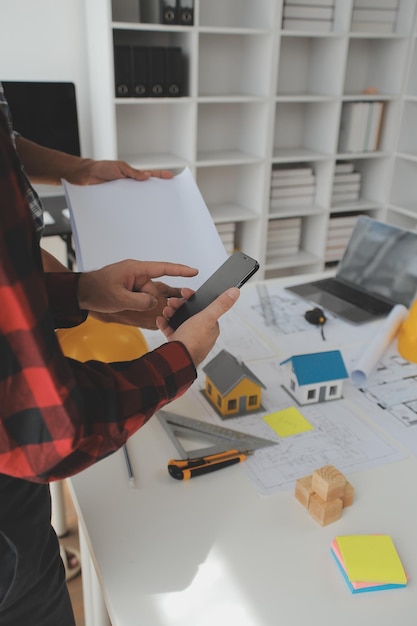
(156,269)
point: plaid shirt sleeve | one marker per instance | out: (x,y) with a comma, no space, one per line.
(59,416)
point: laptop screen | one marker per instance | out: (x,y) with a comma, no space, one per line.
(381,259)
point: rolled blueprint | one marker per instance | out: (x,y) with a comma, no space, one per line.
(372,354)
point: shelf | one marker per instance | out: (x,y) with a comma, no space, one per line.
(257,97)
(230,64)
(310,66)
(237,14)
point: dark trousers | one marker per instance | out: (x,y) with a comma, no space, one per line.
(33,589)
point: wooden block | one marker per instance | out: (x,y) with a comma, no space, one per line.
(325,512)
(348,495)
(328,482)
(303,490)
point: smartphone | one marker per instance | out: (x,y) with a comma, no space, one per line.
(234,272)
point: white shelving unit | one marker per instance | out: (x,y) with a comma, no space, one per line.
(256,98)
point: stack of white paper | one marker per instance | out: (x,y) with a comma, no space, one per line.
(153,220)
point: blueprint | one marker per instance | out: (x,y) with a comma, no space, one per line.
(390,398)
(339,436)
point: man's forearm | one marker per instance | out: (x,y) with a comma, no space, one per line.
(44,165)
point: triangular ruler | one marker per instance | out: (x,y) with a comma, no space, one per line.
(221,439)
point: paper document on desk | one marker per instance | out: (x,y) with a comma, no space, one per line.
(152,220)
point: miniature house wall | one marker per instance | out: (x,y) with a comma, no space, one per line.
(316,377)
(231,387)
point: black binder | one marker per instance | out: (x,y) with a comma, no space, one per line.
(174,72)
(157,72)
(141,83)
(185,10)
(122,71)
(168,12)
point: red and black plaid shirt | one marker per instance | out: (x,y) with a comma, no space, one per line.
(59,416)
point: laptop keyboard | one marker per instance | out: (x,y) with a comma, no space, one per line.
(353,296)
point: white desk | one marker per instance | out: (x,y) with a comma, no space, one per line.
(211,550)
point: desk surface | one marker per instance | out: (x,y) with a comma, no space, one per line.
(212,550)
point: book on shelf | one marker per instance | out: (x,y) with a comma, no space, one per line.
(361,126)
(344,167)
(227,237)
(353,177)
(339,187)
(284,231)
(372,27)
(307,12)
(345,223)
(298,190)
(290,203)
(374,128)
(339,231)
(309,3)
(349,196)
(226,231)
(375,4)
(335,242)
(334,255)
(276,255)
(294,242)
(293,171)
(374,17)
(388,16)
(286,222)
(226,227)
(318,26)
(353,125)
(291,181)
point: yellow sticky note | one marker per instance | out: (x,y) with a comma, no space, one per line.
(288,422)
(371,558)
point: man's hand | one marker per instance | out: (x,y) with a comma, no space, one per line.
(90,172)
(200,332)
(143,319)
(128,286)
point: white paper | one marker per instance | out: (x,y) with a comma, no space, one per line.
(152,220)
(374,351)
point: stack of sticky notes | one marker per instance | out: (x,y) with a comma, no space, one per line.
(369,562)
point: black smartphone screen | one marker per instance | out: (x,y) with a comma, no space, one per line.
(234,272)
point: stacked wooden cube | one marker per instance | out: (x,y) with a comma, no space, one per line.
(324,493)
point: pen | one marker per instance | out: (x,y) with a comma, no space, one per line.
(130,474)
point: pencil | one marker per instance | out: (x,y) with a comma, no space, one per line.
(130,474)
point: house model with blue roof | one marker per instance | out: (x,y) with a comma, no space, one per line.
(316,377)
(231,388)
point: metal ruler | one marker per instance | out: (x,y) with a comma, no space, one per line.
(266,305)
(222,439)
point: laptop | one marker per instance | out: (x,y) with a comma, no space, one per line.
(378,270)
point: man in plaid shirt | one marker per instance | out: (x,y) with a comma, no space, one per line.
(59,416)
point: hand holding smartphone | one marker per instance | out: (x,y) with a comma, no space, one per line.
(234,272)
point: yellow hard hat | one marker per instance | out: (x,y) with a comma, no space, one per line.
(101,341)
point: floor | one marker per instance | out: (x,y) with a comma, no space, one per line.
(71,539)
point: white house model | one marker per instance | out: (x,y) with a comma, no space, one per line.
(316,377)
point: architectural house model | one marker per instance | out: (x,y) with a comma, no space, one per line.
(231,387)
(315,377)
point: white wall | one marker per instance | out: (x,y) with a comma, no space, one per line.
(46,40)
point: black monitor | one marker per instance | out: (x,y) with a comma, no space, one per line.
(45,112)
